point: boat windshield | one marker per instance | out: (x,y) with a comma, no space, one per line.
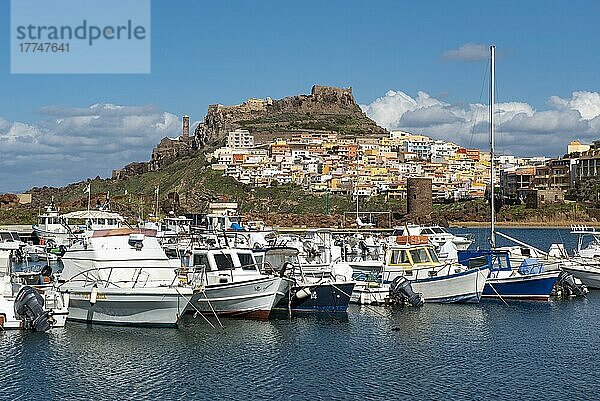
(438,230)
(276,260)
(6,237)
(419,255)
(433,255)
(246,261)
(399,256)
(48,220)
(201,261)
(223,261)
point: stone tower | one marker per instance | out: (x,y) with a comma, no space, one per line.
(185,135)
(419,202)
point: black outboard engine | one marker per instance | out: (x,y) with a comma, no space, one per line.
(29,307)
(569,286)
(401,292)
(46,271)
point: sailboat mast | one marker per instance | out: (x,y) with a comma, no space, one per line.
(492,205)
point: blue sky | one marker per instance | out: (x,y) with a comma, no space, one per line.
(224,52)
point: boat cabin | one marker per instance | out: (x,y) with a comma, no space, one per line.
(222,265)
(412,256)
(10,240)
(178,225)
(413,261)
(273,259)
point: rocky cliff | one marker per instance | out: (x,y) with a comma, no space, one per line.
(325,109)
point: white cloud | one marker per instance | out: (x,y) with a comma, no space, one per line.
(522,130)
(586,103)
(74,143)
(468,52)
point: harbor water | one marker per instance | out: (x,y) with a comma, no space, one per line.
(526,351)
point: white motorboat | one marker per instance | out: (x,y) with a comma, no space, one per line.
(32,304)
(588,242)
(123,277)
(232,284)
(438,236)
(324,291)
(414,259)
(63,229)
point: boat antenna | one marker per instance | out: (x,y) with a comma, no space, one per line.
(492,203)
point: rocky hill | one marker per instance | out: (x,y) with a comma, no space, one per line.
(325,109)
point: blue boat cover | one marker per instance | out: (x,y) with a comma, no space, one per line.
(531,266)
(236,227)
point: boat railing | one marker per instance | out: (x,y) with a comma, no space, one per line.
(583,229)
(87,278)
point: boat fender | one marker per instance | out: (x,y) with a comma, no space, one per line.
(29,308)
(303,293)
(94,295)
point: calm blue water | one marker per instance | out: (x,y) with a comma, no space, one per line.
(528,351)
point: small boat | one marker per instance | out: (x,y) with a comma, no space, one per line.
(586,263)
(528,282)
(413,258)
(326,290)
(122,277)
(230,283)
(586,270)
(437,235)
(29,301)
(62,229)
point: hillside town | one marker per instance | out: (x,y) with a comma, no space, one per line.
(326,162)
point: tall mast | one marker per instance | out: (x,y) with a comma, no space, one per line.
(492,206)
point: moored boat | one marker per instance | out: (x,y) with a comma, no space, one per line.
(327,290)
(232,284)
(31,305)
(415,260)
(122,277)
(529,282)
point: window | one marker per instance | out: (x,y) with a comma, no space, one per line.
(246,261)
(201,261)
(223,261)
(399,257)
(419,255)
(433,255)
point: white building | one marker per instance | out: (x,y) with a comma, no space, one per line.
(240,138)
(443,150)
(420,145)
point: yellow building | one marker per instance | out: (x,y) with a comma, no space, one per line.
(576,146)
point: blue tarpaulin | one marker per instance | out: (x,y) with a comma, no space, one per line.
(236,227)
(531,266)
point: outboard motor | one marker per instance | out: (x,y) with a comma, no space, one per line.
(401,292)
(29,307)
(570,286)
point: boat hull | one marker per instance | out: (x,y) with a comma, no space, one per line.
(524,287)
(156,307)
(323,297)
(370,293)
(463,287)
(253,299)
